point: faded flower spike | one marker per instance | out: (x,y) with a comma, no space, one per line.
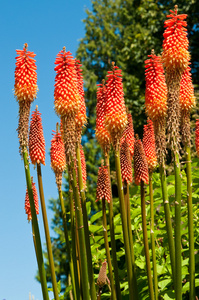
(83,166)
(175,54)
(115,112)
(156,90)
(197,136)
(125,162)
(140,164)
(27,202)
(36,139)
(25,75)
(66,93)
(128,135)
(149,145)
(102,278)
(187,98)
(103,185)
(102,135)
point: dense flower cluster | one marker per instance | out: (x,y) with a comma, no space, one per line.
(187,98)
(25,75)
(83,166)
(36,139)
(57,153)
(149,145)
(128,135)
(197,136)
(66,93)
(140,164)
(175,54)
(103,185)
(102,277)
(125,162)
(27,202)
(156,90)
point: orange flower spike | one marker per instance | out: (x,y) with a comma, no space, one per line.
(27,202)
(25,87)
(66,94)
(36,139)
(115,112)
(175,45)
(80,118)
(187,98)
(128,134)
(83,165)
(149,145)
(197,136)
(125,162)
(140,163)
(57,153)
(103,185)
(156,89)
(102,134)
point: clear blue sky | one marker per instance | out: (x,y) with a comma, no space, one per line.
(46,26)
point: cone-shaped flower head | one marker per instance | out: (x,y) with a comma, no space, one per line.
(102,277)
(103,185)
(66,93)
(140,163)
(197,136)
(175,54)
(156,90)
(36,139)
(149,145)
(125,162)
(83,166)
(115,113)
(80,118)
(102,135)
(27,202)
(128,135)
(25,75)
(187,98)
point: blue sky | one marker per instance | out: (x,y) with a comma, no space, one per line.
(46,26)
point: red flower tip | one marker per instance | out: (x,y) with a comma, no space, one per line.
(187,98)
(57,153)
(25,76)
(140,164)
(27,202)
(66,93)
(128,135)
(125,162)
(156,89)
(36,139)
(103,185)
(197,136)
(149,145)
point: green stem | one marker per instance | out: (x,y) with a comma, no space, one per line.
(155,276)
(190,224)
(108,256)
(80,225)
(47,233)
(168,220)
(124,225)
(85,221)
(75,283)
(128,215)
(178,258)
(112,233)
(145,238)
(35,225)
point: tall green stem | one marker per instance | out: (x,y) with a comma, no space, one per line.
(85,221)
(108,256)
(178,258)
(47,233)
(168,220)
(112,233)
(190,224)
(124,225)
(35,225)
(145,238)
(155,276)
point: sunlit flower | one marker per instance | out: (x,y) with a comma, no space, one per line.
(103,185)
(125,162)
(128,135)
(197,136)
(149,145)
(36,139)
(140,164)
(83,166)
(27,202)
(187,98)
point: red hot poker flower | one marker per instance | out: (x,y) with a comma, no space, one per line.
(83,166)
(197,136)
(66,93)
(102,134)
(128,135)
(156,90)
(27,202)
(175,54)
(115,112)
(25,75)
(125,162)
(103,185)
(187,98)
(36,139)
(140,164)
(102,278)
(57,153)
(149,145)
